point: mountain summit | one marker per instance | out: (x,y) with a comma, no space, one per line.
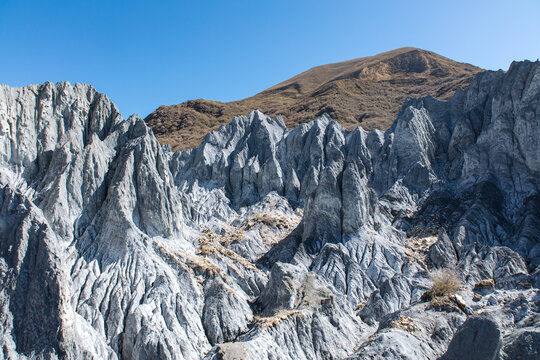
(367,91)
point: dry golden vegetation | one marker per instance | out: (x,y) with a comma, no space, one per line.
(232,235)
(367,91)
(210,244)
(444,282)
(404,322)
(215,244)
(419,240)
(361,305)
(187,261)
(268,219)
(484,284)
(274,222)
(270,321)
(449,303)
(417,248)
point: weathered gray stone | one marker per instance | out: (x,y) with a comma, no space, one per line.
(478,338)
(442,253)
(283,243)
(526,345)
(225,314)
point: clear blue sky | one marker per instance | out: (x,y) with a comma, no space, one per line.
(143,54)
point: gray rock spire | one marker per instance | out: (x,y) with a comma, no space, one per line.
(264,242)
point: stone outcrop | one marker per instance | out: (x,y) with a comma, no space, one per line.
(478,338)
(264,242)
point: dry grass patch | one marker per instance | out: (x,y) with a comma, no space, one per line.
(232,235)
(270,321)
(361,305)
(188,261)
(285,225)
(404,322)
(417,248)
(277,220)
(484,284)
(213,244)
(419,240)
(443,292)
(210,243)
(443,303)
(444,282)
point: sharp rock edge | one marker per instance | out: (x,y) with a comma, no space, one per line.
(269,243)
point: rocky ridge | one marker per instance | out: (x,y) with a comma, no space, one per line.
(367,91)
(269,243)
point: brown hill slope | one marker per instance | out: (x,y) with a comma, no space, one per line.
(366,91)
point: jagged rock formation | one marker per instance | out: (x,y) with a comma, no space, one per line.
(269,243)
(367,91)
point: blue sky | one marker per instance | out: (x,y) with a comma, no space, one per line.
(143,54)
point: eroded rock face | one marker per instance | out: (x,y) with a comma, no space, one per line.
(478,338)
(264,242)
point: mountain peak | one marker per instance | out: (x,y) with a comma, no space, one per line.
(366,91)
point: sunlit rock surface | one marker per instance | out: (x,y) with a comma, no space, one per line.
(269,243)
